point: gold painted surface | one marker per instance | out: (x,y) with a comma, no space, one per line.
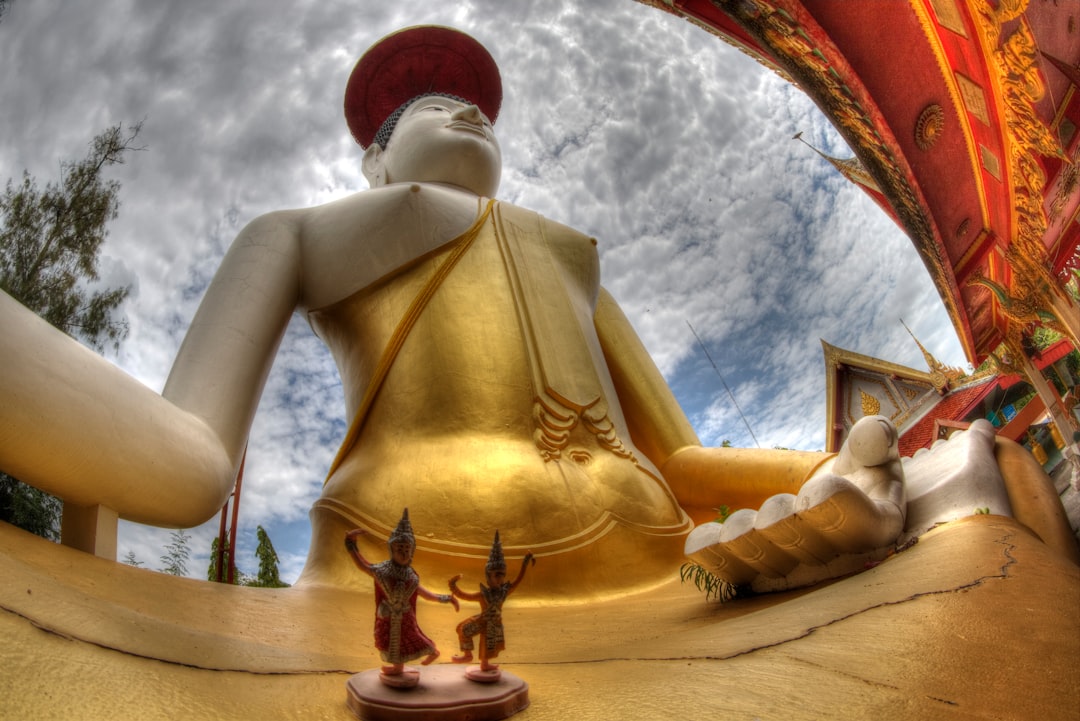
(854,171)
(706,478)
(515,423)
(950,629)
(1034,499)
(1035,293)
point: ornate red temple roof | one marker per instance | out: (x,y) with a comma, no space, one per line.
(923,405)
(965,115)
(955,406)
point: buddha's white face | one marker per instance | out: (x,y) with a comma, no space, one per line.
(439,140)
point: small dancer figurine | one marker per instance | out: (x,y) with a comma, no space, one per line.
(397,634)
(488,623)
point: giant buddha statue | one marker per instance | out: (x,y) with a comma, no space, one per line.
(490,382)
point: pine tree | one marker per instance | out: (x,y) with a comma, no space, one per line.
(176,554)
(268,563)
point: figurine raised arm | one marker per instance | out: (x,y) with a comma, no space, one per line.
(487,624)
(397,634)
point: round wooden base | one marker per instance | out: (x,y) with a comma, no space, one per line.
(443,694)
(408,678)
(478,674)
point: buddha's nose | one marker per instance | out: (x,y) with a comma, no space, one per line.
(469,113)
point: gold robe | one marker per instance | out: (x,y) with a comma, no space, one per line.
(498,412)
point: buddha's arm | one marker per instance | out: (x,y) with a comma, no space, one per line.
(701,478)
(222,365)
(77,426)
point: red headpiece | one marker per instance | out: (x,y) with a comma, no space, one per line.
(414,62)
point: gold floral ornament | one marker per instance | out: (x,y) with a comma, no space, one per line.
(929,126)
(870,406)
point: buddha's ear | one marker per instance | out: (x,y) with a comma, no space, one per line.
(372,166)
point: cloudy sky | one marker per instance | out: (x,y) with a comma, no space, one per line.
(669,146)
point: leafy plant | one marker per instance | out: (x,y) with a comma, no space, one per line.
(715,588)
(176,554)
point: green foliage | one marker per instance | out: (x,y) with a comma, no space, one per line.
(1044,337)
(268,563)
(267,576)
(176,554)
(49,245)
(212,569)
(130,560)
(29,509)
(50,240)
(1072,362)
(715,588)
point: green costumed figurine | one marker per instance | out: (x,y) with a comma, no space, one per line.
(487,624)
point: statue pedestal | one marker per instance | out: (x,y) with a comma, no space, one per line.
(443,694)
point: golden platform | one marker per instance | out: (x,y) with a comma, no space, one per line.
(978,620)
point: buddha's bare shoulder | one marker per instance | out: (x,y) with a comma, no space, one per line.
(350,242)
(397,202)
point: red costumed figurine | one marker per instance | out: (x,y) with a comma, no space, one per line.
(397,634)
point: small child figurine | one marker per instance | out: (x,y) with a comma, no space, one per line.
(488,623)
(397,634)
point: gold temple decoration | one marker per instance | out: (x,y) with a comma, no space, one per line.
(929,126)
(870,406)
(943,377)
(1031,296)
(962,229)
(1023,307)
(1069,182)
(854,171)
(850,168)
